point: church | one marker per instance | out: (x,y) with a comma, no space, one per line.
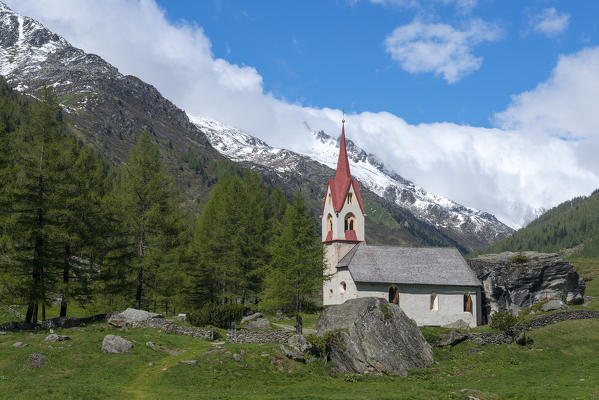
(433,285)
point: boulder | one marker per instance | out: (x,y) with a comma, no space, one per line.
(116,345)
(36,360)
(452,338)
(2,333)
(292,354)
(521,338)
(250,317)
(514,280)
(237,357)
(554,305)
(300,343)
(130,316)
(369,335)
(193,363)
(258,323)
(19,344)
(53,337)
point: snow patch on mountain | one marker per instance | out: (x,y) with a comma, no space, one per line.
(372,174)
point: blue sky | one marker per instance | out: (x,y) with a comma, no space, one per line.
(490,103)
(332,53)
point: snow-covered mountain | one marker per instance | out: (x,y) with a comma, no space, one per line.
(446,215)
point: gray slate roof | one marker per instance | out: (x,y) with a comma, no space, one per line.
(408,265)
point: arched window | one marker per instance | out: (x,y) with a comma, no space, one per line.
(434,303)
(350,198)
(342,287)
(467,302)
(330,293)
(329,223)
(350,222)
(329,199)
(393,295)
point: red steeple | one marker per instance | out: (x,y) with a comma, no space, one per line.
(340,185)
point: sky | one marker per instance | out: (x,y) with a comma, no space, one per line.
(490,103)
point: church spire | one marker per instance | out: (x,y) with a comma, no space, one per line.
(342,174)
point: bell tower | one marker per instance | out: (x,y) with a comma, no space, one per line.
(342,226)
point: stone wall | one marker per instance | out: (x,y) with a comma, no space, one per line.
(270,336)
(171,327)
(556,317)
(53,323)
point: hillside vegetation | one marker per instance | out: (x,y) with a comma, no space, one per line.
(572,224)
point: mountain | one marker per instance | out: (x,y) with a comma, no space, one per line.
(572,225)
(469,227)
(108,110)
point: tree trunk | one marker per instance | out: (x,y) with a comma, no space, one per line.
(29,314)
(34,319)
(298,309)
(140,270)
(43,311)
(65,280)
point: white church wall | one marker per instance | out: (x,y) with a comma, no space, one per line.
(414,300)
(332,292)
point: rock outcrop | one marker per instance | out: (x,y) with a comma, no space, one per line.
(130,316)
(514,280)
(370,336)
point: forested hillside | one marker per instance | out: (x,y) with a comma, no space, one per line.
(77,229)
(572,224)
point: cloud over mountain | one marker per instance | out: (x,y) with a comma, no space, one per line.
(539,154)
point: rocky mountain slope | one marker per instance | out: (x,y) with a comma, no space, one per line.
(464,224)
(108,110)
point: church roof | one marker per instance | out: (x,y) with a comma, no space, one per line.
(408,265)
(340,184)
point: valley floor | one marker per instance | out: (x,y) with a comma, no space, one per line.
(562,362)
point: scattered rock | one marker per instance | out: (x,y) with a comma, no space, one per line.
(251,317)
(51,330)
(36,360)
(129,316)
(300,343)
(151,345)
(20,344)
(2,333)
(193,363)
(116,345)
(242,352)
(554,305)
(169,351)
(369,335)
(460,324)
(151,364)
(181,317)
(237,357)
(258,323)
(521,338)
(53,337)
(212,351)
(452,338)
(292,354)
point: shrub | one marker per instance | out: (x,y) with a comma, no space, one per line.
(220,315)
(503,320)
(520,259)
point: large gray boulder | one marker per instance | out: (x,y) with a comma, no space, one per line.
(369,335)
(116,345)
(513,280)
(258,323)
(129,316)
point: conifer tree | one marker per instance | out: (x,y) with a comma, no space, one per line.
(146,198)
(295,273)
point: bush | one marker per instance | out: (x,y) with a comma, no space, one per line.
(220,315)
(503,320)
(520,259)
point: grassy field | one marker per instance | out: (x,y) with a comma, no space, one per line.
(561,363)
(588,268)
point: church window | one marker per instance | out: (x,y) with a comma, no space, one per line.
(343,287)
(350,198)
(393,295)
(350,222)
(329,199)
(329,223)
(330,293)
(434,303)
(467,302)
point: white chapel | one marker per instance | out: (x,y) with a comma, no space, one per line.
(433,286)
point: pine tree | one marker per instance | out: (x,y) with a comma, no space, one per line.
(147,201)
(295,273)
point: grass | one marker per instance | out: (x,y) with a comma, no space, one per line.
(552,367)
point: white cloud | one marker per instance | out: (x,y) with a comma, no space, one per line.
(520,165)
(463,6)
(548,22)
(440,48)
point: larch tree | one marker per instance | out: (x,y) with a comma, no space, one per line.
(296,270)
